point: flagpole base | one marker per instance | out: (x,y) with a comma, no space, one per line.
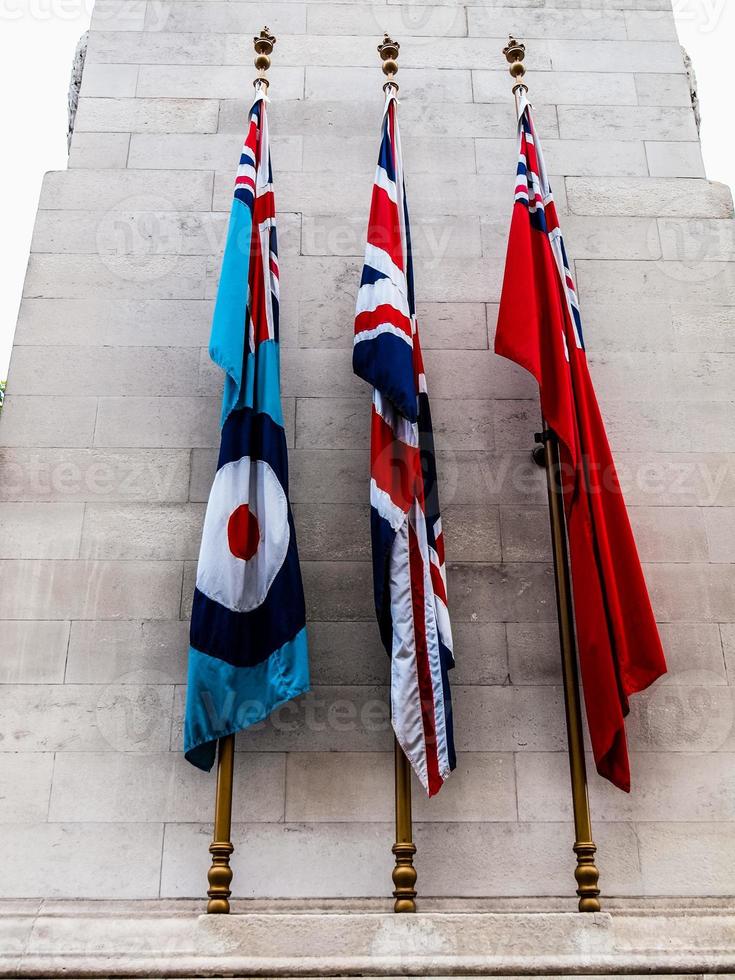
(587,877)
(219,878)
(404,878)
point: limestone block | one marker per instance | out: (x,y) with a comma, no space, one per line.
(215,17)
(73,718)
(720,525)
(347,654)
(669,90)
(639,325)
(339,591)
(87,474)
(675,159)
(71,276)
(695,377)
(694,592)
(35,653)
(99,150)
(36,421)
(98,370)
(659,57)
(590,24)
(127,652)
(109,81)
(693,649)
(33,530)
(644,25)
(353,19)
(117,15)
(727,632)
(662,423)
(533,654)
(146,116)
(177,421)
(88,589)
(697,328)
(626,123)
(677,479)
(648,197)
(126,189)
(696,242)
(501,593)
(678,281)
(525,534)
(156,47)
(26,781)
(514,423)
(154,532)
(670,534)
(694,859)
(119,788)
(90,859)
(567,88)
(92,321)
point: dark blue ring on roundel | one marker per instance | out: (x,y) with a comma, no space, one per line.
(247,638)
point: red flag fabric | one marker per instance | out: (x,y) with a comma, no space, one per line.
(539,327)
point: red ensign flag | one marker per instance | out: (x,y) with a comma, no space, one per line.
(539,327)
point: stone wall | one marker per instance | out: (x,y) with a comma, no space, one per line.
(110,428)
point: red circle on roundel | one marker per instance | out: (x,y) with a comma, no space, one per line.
(243,533)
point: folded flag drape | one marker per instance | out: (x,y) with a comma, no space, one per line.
(540,328)
(248,650)
(407,542)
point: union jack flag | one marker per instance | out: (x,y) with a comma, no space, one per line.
(248,650)
(540,328)
(408,545)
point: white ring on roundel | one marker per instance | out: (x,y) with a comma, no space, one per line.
(237,584)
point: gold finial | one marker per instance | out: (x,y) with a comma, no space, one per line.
(388,52)
(263,45)
(515,52)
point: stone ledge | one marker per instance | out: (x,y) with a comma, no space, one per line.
(307,939)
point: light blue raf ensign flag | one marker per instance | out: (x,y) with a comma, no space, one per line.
(248,651)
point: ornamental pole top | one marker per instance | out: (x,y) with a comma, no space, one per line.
(263,44)
(515,52)
(388,52)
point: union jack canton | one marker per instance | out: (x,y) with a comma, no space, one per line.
(408,545)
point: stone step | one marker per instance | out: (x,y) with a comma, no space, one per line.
(171,939)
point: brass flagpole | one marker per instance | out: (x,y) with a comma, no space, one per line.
(404,873)
(547,455)
(220,872)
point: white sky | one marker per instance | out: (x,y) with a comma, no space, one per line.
(37,42)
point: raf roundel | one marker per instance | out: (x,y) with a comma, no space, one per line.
(242,549)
